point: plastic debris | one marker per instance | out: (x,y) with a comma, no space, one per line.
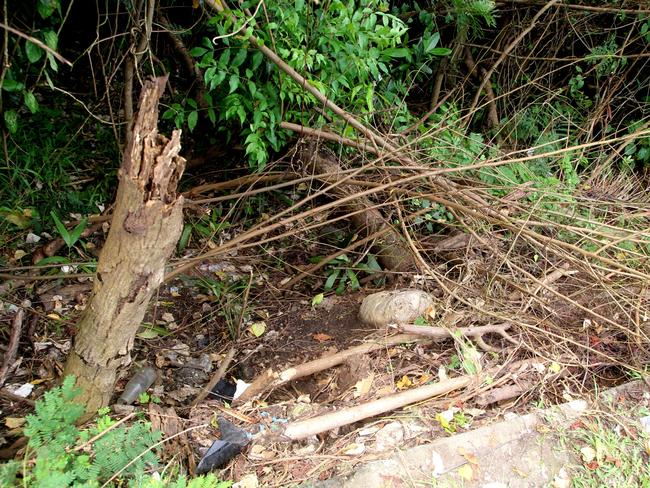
(232,442)
(224,390)
(141,381)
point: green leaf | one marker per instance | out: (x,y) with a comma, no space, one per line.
(77,231)
(192,119)
(440,51)
(12,85)
(53,64)
(257,328)
(397,52)
(331,279)
(185,238)
(30,102)
(317,300)
(234,83)
(53,260)
(46,7)
(239,58)
(197,52)
(33,52)
(370,92)
(11,121)
(354,282)
(63,232)
(431,42)
(51,39)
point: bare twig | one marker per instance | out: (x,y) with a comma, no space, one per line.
(218,375)
(442,333)
(271,379)
(504,55)
(33,40)
(12,347)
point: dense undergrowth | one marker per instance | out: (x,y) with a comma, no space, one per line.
(551,129)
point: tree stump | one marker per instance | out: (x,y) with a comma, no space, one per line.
(146,225)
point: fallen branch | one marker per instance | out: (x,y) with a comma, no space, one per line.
(218,375)
(438,334)
(271,379)
(307,428)
(519,387)
(52,247)
(12,348)
(329,136)
(390,248)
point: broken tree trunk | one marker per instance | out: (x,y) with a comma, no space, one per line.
(392,251)
(146,225)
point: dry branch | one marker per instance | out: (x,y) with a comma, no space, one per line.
(441,333)
(307,428)
(12,347)
(488,74)
(392,251)
(271,379)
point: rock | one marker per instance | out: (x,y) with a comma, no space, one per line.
(394,307)
(388,437)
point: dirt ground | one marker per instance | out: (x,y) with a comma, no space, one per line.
(192,323)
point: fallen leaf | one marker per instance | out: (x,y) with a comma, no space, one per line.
(14,422)
(19,254)
(320,337)
(362,387)
(257,328)
(593,465)
(404,383)
(317,300)
(519,472)
(466,472)
(442,374)
(147,333)
(354,449)
(422,379)
(168,317)
(53,316)
(248,481)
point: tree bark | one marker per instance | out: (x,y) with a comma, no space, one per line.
(146,225)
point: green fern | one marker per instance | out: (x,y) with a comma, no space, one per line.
(53,461)
(54,421)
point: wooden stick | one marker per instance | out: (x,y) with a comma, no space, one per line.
(440,333)
(272,379)
(306,428)
(12,348)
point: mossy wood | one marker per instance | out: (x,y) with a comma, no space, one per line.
(146,225)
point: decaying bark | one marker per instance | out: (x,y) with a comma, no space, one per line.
(392,251)
(146,225)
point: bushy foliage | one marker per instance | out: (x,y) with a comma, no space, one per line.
(353,53)
(60,454)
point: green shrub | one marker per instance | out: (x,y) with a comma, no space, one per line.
(60,454)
